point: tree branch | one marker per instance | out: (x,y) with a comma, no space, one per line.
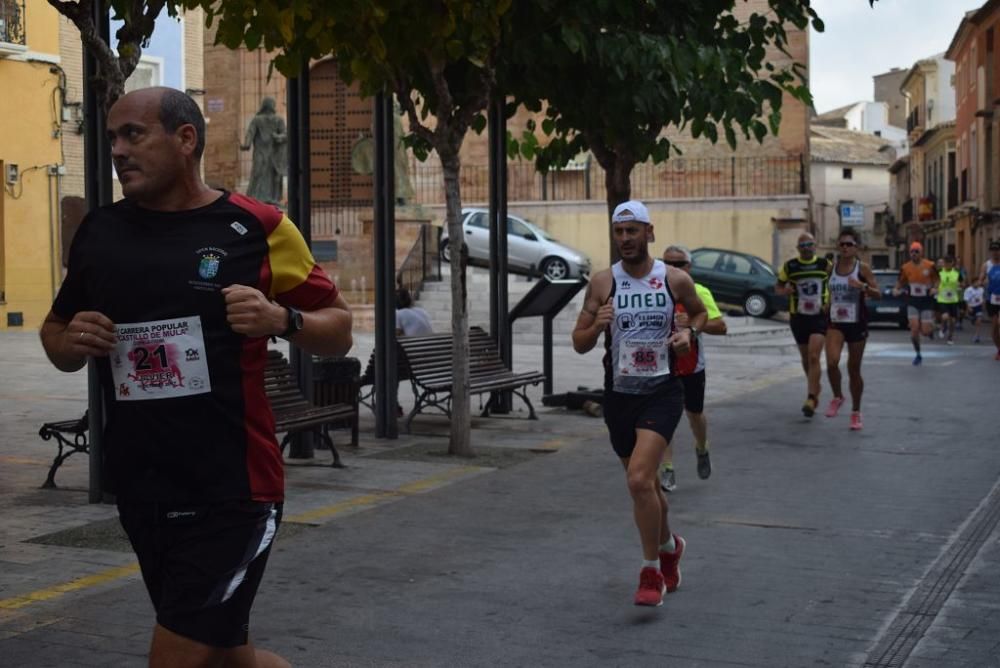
(405,97)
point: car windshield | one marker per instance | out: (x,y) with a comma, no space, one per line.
(886,280)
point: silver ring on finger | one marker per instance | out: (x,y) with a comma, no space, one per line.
(81,334)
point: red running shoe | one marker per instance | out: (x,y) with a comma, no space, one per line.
(670,565)
(651,588)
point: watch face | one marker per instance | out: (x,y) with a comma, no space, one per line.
(296,320)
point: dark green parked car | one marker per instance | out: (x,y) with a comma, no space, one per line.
(739,279)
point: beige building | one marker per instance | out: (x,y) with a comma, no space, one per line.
(850,188)
(887,90)
(932,190)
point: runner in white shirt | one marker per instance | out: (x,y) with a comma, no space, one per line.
(974,299)
(631,307)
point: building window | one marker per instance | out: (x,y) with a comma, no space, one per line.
(848,173)
(148,73)
(12,22)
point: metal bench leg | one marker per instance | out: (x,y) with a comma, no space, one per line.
(531,409)
(50,479)
(324,436)
(66,449)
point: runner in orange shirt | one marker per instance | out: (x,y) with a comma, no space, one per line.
(920,278)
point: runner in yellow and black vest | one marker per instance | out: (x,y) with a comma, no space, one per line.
(805,280)
(948,296)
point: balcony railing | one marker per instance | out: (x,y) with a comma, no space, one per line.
(12,22)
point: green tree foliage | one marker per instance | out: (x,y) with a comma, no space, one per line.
(611,76)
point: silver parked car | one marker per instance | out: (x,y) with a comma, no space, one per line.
(530,250)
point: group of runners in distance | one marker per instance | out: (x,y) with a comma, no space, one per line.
(650,315)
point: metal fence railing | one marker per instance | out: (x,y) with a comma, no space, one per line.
(744,176)
(423,262)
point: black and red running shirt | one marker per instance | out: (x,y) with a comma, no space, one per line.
(137,266)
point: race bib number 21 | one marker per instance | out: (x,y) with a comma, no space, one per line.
(160,359)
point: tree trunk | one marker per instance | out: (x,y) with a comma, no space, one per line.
(618,184)
(461,413)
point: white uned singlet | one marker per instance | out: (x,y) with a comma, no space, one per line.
(639,354)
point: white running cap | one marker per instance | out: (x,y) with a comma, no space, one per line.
(632,210)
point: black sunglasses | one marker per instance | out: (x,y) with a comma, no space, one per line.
(677,263)
(847,244)
(914,252)
(807,245)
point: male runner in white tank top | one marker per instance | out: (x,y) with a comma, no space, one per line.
(632,305)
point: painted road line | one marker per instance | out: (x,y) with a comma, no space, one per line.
(58,590)
(366,500)
(375,498)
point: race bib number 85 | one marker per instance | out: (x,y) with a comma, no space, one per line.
(644,359)
(160,359)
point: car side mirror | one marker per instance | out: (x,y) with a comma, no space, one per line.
(530,237)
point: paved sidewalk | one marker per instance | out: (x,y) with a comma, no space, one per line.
(807,544)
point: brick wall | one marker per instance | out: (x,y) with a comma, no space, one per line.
(71,58)
(222,110)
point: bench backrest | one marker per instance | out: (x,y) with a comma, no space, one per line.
(430,357)
(281,384)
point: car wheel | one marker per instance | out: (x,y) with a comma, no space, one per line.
(446,251)
(555,268)
(755,304)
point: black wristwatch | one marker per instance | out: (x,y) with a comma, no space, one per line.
(294,322)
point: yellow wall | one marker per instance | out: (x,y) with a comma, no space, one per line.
(28,212)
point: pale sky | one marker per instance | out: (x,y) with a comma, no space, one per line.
(860,41)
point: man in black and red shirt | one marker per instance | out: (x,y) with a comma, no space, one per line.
(175,290)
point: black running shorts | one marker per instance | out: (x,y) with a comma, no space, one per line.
(694,392)
(854,332)
(950,309)
(202,564)
(992,309)
(804,326)
(659,411)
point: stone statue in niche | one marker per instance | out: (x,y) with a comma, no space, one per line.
(268,138)
(363,158)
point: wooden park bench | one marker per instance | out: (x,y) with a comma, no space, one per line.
(429,360)
(71,437)
(367,396)
(337,404)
